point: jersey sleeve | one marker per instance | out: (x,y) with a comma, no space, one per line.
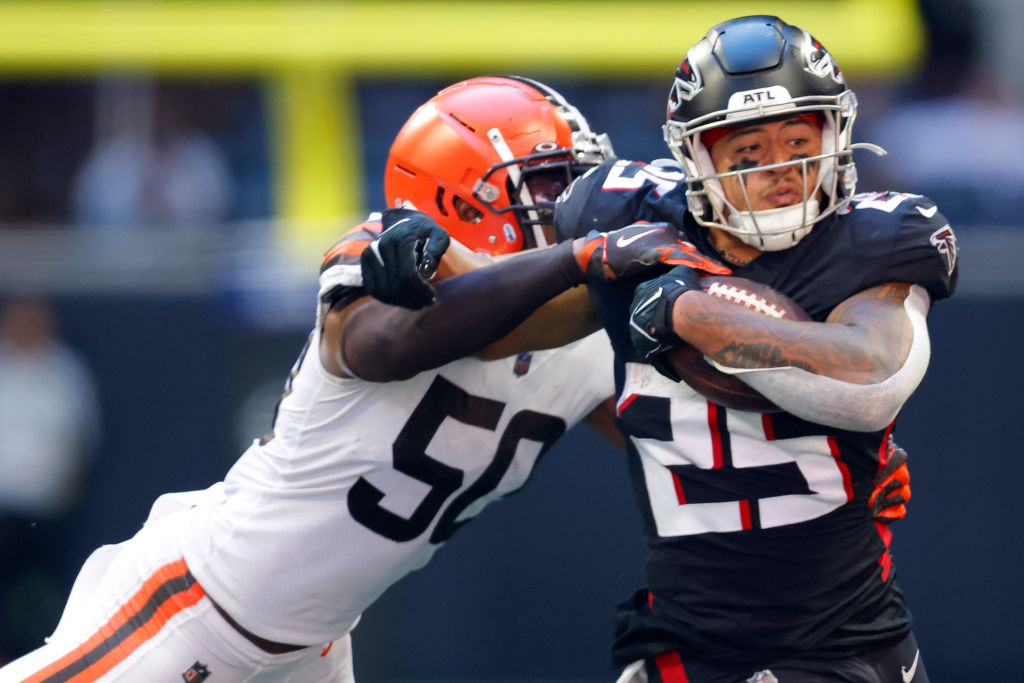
(926,250)
(618,193)
(921,248)
(340,277)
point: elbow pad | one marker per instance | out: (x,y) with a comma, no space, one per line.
(845,405)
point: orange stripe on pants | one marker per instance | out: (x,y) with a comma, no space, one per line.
(105,649)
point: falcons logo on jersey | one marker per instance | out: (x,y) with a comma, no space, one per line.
(687,84)
(944,240)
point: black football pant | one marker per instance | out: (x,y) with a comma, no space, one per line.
(900,663)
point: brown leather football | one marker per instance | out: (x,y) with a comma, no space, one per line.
(704,378)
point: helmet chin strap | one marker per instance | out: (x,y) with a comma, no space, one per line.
(771,229)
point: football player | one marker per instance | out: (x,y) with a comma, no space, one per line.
(360,481)
(387,440)
(764,563)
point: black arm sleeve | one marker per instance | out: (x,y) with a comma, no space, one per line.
(381,343)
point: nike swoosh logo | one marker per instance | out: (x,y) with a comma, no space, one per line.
(927,213)
(624,242)
(375,248)
(908,674)
(632,318)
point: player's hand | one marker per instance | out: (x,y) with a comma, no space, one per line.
(650,314)
(398,265)
(892,487)
(636,248)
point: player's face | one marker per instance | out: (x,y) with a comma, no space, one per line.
(763,144)
(544,188)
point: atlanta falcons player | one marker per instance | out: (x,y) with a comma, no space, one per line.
(764,563)
(385,443)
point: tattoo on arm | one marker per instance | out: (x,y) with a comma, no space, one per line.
(758,355)
(878,312)
(868,340)
(737,338)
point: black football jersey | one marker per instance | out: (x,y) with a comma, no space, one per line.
(761,541)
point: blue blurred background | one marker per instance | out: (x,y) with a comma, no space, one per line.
(171,171)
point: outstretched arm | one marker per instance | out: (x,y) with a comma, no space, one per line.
(477,308)
(380,342)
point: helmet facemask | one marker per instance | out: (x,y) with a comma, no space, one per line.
(782,227)
(486,158)
(533,181)
(744,72)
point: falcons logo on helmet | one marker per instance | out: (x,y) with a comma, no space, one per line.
(686,84)
(820,62)
(944,240)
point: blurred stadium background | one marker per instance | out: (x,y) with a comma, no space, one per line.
(170,172)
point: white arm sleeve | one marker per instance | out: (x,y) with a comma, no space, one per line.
(845,405)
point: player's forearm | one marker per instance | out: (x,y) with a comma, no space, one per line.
(383,343)
(564,319)
(845,375)
(460,259)
(864,352)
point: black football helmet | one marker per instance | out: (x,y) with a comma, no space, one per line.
(755,68)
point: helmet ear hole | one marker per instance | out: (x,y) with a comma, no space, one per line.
(466,211)
(439,200)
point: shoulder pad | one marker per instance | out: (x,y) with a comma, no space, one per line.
(347,249)
(909,237)
(340,272)
(618,193)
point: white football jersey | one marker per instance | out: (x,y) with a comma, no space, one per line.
(363,481)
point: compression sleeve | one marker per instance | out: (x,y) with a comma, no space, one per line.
(832,402)
(381,343)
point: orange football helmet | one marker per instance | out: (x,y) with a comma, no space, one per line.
(487,157)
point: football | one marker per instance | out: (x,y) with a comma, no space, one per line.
(704,378)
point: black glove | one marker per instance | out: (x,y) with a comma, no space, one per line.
(636,248)
(398,265)
(892,486)
(650,314)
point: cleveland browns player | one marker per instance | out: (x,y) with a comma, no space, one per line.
(764,563)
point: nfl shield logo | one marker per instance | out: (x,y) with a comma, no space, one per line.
(522,365)
(196,673)
(765,676)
